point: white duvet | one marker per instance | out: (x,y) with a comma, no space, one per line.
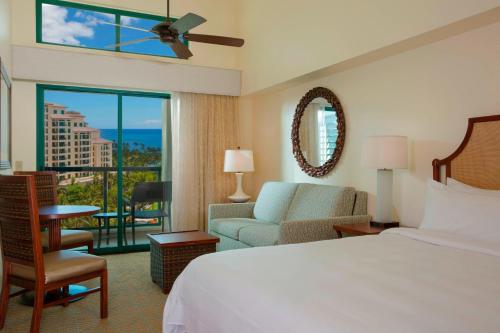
(403,280)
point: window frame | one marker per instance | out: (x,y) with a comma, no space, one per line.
(107,10)
(120,168)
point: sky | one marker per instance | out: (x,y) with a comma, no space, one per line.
(78,27)
(101,110)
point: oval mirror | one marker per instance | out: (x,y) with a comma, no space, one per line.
(318,132)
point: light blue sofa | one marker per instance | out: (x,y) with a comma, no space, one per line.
(286,213)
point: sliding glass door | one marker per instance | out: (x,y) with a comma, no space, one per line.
(103,143)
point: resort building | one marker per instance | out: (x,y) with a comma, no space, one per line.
(69,141)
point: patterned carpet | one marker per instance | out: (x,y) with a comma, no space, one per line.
(135,304)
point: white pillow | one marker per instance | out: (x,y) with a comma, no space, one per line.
(469,214)
(456,185)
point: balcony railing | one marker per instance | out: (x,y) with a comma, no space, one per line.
(98,186)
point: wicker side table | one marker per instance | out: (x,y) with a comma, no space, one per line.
(172,252)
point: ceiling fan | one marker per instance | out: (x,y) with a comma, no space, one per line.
(171,31)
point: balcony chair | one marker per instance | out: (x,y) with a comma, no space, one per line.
(148,193)
(24,263)
(46,187)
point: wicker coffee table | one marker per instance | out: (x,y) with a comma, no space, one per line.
(172,252)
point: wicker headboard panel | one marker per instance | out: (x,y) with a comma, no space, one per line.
(476,162)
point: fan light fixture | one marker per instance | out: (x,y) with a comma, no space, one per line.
(171,32)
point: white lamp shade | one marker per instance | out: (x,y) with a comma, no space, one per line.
(385,152)
(238,161)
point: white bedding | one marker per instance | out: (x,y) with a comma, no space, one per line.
(404,280)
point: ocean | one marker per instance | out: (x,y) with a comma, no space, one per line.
(135,137)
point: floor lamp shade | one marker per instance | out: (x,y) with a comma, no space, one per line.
(385,153)
(239,161)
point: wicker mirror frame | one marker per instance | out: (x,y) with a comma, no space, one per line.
(329,165)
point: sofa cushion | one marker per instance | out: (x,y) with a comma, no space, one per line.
(313,201)
(273,201)
(230,227)
(260,235)
(360,203)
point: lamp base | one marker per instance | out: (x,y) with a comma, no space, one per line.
(239,196)
(384,225)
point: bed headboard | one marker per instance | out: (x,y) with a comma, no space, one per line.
(476,162)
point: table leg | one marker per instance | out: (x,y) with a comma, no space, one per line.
(106,222)
(100,233)
(54,235)
(339,234)
(124,228)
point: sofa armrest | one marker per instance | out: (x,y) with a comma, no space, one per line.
(315,230)
(220,211)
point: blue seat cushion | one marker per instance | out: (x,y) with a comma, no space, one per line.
(230,227)
(264,234)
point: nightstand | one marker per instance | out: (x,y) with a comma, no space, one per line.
(357,229)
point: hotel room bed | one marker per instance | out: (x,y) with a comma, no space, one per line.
(443,277)
(400,281)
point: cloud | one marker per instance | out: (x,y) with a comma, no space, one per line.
(57,29)
(105,16)
(127,20)
(152,122)
(94,18)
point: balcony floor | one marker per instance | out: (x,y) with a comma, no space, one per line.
(140,236)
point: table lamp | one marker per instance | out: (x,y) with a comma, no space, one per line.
(239,161)
(385,153)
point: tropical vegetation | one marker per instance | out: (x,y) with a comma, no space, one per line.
(90,190)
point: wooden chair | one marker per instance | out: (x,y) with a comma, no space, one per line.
(24,263)
(46,187)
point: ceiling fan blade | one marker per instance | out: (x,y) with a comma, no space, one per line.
(187,22)
(124,26)
(210,39)
(135,41)
(181,50)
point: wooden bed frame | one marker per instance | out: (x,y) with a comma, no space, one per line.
(476,162)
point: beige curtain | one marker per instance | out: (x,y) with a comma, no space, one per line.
(203,127)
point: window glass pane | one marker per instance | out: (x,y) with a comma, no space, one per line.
(77,27)
(152,47)
(75,130)
(142,131)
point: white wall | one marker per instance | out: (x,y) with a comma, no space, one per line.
(45,65)
(286,39)
(5,34)
(221,16)
(24,125)
(426,94)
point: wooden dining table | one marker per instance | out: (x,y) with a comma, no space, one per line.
(50,217)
